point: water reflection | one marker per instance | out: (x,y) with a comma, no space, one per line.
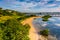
(53,25)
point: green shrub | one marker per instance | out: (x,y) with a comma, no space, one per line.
(13,30)
(44,32)
(46,17)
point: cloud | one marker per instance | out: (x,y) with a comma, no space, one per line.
(57,0)
(51,5)
(31,5)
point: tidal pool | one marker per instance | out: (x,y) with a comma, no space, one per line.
(53,24)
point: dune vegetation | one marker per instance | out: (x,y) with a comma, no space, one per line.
(11,27)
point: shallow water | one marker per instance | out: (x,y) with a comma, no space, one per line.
(53,25)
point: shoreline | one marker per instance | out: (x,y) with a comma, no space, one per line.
(33,33)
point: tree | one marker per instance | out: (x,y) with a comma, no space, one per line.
(6,13)
(0,8)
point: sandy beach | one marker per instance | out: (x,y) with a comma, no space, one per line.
(33,35)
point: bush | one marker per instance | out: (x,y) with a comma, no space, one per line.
(46,17)
(44,32)
(13,30)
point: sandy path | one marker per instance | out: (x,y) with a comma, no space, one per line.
(33,35)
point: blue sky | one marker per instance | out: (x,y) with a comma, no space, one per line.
(31,5)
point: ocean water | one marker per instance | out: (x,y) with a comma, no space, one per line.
(53,24)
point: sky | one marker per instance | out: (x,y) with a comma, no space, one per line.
(31,5)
